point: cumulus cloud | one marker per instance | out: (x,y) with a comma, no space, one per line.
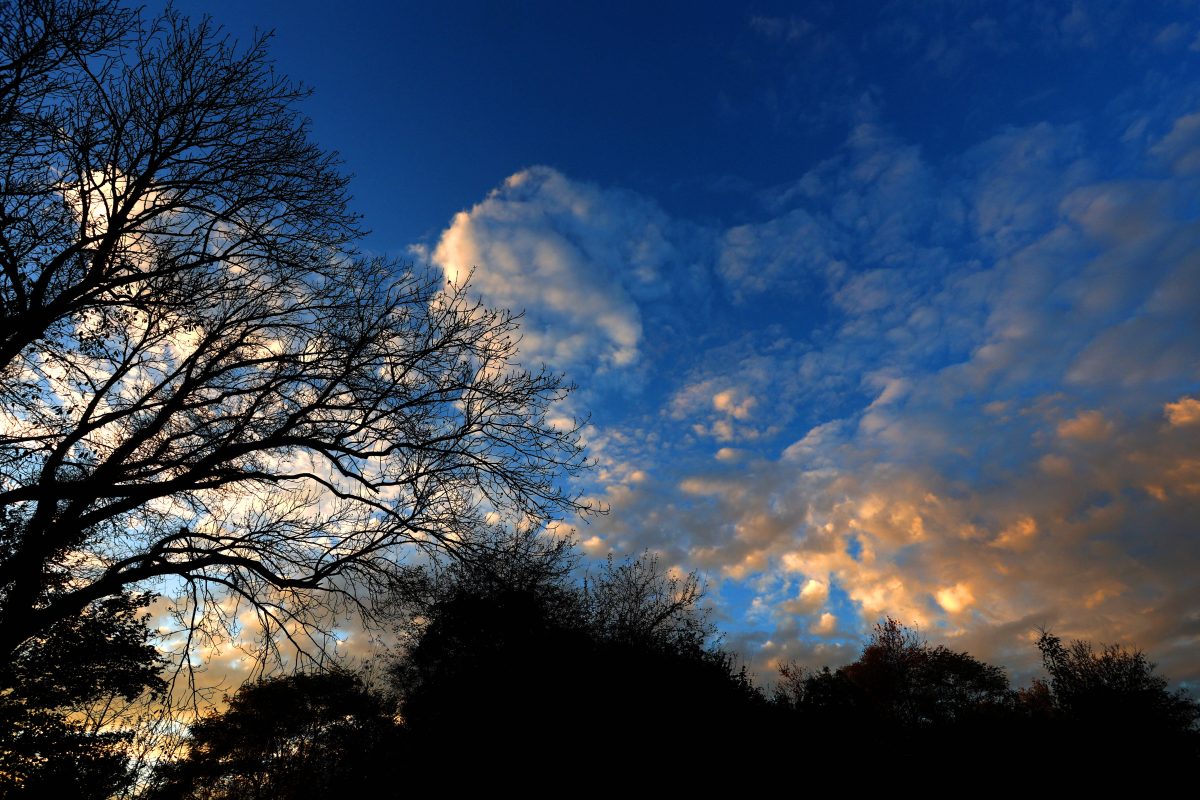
(811,597)
(577,259)
(790,252)
(1184,411)
(1087,426)
(1020,535)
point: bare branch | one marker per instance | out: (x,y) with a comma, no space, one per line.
(200,379)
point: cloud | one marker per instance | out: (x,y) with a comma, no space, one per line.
(742,391)
(754,258)
(1086,426)
(577,259)
(859,207)
(826,624)
(1184,411)
(1054,531)
(956,598)
(811,597)
(1020,535)
(1180,148)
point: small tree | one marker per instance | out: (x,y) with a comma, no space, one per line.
(637,601)
(47,746)
(900,682)
(1112,701)
(200,379)
(504,662)
(312,735)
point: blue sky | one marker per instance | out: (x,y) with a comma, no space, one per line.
(875,308)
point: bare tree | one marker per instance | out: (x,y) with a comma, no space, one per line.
(638,601)
(200,378)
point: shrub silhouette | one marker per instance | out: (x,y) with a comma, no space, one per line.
(909,699)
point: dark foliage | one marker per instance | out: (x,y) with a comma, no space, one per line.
(622,663)
(515,678)
(1110,704)
(104,653)
(317,735)
(913,700)
(902,694)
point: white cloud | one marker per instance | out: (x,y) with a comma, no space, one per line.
(955,598)
(791,253)
(576,258)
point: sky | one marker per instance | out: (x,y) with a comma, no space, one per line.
(874,308)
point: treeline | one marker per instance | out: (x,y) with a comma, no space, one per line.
(513,669)
(517,673)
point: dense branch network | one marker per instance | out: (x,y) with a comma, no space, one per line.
(198,376)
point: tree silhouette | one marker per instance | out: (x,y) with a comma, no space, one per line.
(909,700)
(636,601)
(200,379)
(901,681)
(46,750)
(315,735)
(497,665)
(1111,703)
(512,679)
(508,674)
(902,696)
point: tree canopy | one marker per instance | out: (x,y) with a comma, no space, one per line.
(496,664)
(200,378)
(910,699)
(512,677)
(46,747)
(1109,702)
(308,735)
(902,693)
(512,673)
